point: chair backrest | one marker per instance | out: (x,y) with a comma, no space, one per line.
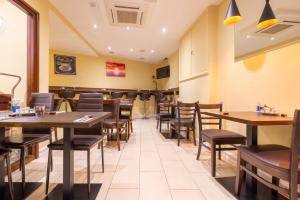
(145,96)
(131,95)
(42,99)
(117,95)
(295,143)
(66,93)
(207,120)
(164,107)
(112,106)
(186,111)
(90,102)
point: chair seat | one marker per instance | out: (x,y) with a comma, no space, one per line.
(222,136)
(25,139)
(80,142)
(183,122)
(111,123)
(275,156)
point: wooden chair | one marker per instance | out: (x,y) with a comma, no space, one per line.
(31,136)
(126,112)
(215,137)
(5,155)
(164,114)
(114,123)
(84,139)
(185,121)
(278,161)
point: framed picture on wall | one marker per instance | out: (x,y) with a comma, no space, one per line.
(65,65)
(115,69)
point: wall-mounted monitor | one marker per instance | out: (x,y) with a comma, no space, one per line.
(163,72)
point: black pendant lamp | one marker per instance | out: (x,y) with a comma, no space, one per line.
(268,17)
(233,14)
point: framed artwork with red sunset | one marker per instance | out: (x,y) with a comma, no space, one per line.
(115,69)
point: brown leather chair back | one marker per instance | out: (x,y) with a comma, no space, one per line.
(207,120)
(90,102)
(40,99)
(116,95)
(112,106)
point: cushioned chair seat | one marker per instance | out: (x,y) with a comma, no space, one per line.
(112,122)
(25,139)
(220,136)
(276,156)
(80,142)
(183,122)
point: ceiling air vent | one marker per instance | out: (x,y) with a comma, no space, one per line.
(128,12)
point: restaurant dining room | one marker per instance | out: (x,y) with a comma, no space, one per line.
(149,99)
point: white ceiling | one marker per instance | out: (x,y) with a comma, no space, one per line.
(175,15)
(251,12)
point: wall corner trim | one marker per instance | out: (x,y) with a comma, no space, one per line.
(204,73)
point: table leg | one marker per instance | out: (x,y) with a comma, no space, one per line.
(68,162)
(2,166)
(252,140)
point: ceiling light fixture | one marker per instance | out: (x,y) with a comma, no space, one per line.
(131,49)
(248,36)
(127,28)
(272,38)
(233,14)
(268,17)
(95,26)
(152,51)
(109,48)
(164,29)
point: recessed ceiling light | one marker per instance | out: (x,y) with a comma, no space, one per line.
(109,48)
(272,38)
(248,36)
(127,28)
(111,52)
(152,51)
(131,49)
(95,26)
(164,29)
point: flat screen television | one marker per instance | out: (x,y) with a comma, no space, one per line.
(163,72)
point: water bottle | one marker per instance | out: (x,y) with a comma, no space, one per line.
(16,105)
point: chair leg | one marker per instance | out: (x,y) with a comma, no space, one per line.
(22,160)
(131,125)
(240,175)
(199,148)
(220,152)
(213,159)
(178,137)
(88,171)
(187,133)
(160,126)
(118,139)
(194,137)
(102,155)
(157,123)
(127,131)
(48,170)
(55,134)
(10,183)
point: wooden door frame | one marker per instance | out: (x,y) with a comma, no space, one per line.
(32,45)
(33,21)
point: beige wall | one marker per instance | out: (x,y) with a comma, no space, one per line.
(269,78)
(91,73)
(173,80)
(13,48)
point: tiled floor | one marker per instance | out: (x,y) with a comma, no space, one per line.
(149,167)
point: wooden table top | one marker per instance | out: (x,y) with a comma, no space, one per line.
(62,120)
(252,118)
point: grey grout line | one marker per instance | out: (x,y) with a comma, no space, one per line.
(163,169)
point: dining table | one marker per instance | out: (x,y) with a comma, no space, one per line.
(68,121)
(252,120)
